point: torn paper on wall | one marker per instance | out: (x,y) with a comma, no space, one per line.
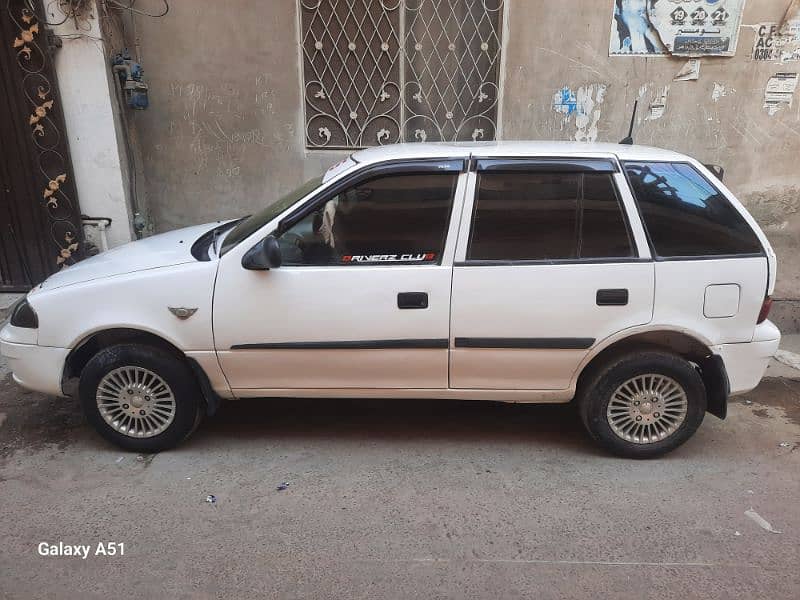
(658,106)
(565,102)
(779,92)
(585,105)
(772,45)
(789,33)
(690,71)
(590,98)
(720,91)
(677,27)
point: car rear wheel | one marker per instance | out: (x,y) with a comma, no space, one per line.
(643,405)
(141,398)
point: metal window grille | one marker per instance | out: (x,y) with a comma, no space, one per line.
(382,71)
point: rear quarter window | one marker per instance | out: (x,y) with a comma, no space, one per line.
(685,215)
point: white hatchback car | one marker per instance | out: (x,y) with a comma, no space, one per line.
(625,277)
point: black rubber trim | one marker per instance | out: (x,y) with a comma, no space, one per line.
(536,343)
(348,345)
(718,386)
(560,261)
(551,165)
(213,400)
(711,257)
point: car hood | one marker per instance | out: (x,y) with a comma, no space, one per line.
(163,250)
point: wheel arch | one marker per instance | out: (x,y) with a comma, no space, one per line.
(693,348)
(93,342)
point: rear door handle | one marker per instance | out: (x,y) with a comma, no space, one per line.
(412,300)
(618,297)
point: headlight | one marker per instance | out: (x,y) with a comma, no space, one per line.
(24,316)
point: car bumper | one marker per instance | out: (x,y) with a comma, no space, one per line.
(746,363)
(37,368)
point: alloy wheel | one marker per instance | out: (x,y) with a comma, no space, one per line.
(647,408)
(135,402)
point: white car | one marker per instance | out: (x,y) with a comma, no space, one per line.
(627,278)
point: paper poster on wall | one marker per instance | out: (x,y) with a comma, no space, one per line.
(676,27)
(779,92)
(766,45)
(789,34)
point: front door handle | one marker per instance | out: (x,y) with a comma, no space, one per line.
(412,300)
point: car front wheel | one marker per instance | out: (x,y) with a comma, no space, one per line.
(139,397)
(644,404)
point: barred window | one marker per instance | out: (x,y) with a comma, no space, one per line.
(383,71)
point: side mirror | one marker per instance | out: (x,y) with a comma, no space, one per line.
(265,255)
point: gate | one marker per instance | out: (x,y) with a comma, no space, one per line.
(40,228)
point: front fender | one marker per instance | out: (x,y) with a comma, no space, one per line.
(141,300)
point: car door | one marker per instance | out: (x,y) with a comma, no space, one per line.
(547,266)
(362,298)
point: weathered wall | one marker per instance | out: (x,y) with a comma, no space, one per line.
(89,114)
(224,133)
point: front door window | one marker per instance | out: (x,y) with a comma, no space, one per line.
(399,219)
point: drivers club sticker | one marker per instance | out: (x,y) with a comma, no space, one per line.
(389,258)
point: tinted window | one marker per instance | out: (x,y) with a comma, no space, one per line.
(547,216)
(604,233)
(685,215)
(394,219)
(521,216)
(249,225)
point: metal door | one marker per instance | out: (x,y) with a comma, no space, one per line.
(39,217)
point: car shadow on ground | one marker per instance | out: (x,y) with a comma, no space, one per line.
(32,421)
(397,420)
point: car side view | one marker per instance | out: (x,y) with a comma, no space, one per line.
(626,279)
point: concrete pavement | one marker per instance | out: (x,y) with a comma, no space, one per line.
(430,499)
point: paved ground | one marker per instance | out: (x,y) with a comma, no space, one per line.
(401,499)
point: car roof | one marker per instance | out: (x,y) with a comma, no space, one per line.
(412,151)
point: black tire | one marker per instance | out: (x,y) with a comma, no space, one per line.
(596,393)
(189,402)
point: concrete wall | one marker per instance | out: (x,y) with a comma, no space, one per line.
(98,159)
(224,133)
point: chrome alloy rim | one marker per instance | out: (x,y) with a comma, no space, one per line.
(647,408)
(135,402)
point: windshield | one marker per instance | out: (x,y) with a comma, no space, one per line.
(255,222)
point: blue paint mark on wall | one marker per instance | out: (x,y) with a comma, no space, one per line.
(564,101)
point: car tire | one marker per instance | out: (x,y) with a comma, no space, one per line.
(671,405)
(121,383)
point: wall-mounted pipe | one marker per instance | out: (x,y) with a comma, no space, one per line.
(102,223)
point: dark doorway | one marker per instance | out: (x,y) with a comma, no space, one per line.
(40,229)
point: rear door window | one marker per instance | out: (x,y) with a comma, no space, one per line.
(547,216)
(604,231)
(685,215)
